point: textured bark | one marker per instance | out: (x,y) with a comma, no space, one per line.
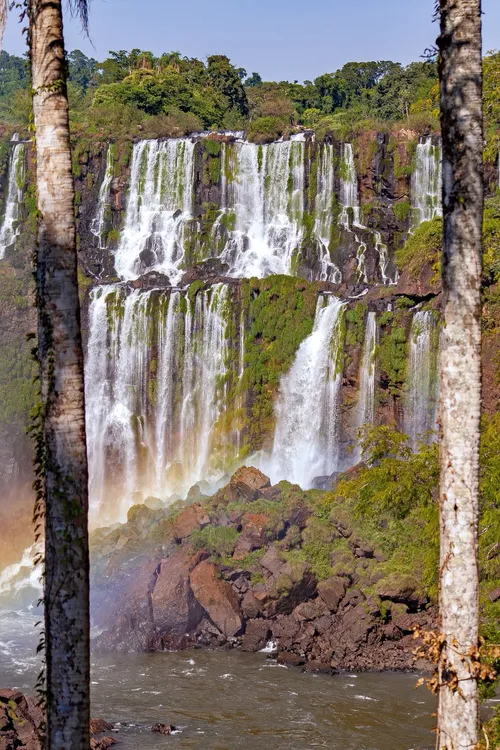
(61,367)
(462,134)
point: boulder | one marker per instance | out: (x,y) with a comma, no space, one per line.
(154,503)
(332,591)
(246,484)
(250,607)
(192,518)
(272,561)
(289,659)
(257,633)
(103,743)
(99,726)
(403,588)
(163,728)
(20,721)
(175,609)
(494,595)
(217,598)
(253,535)
(296,583)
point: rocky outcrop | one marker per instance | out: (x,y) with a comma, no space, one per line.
(217,598)
(259,587)
(21,721)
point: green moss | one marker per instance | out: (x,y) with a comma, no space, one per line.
(280,311)
(218,540)
(402,210)
(211,147)
(355,324)
(392,353)
(422,248)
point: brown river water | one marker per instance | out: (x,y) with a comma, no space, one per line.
(229,700)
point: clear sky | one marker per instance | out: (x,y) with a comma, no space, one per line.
(280,39)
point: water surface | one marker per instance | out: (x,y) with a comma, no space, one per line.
(230,700)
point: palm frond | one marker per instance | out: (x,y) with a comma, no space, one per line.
(79,8)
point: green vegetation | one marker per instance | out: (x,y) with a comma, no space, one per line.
(422,248)
(218,540)
(281,314)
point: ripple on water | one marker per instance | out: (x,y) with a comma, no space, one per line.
(231,700)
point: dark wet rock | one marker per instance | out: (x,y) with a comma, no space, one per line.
(163,728)
(20,721)
(209,270)
(257,633)
(290,659)
(99,726)
(152,278)
(217,598)
(332,591)
(318,667)
(103,743)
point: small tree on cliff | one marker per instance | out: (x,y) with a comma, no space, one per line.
(462,137)
(64,474)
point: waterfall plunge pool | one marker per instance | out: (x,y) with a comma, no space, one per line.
(227,700)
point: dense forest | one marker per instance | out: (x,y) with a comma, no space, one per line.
(173,95)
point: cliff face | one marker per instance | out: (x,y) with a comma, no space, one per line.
(188,348)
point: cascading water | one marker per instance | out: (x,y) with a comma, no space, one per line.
(98,224)
(421,400)
(9,229)
(426,183)
(150,431)
(349,196)
(350,216)
(160,203)
(366,404)
(365,409)
(268,194)
(324,213)
(306,439)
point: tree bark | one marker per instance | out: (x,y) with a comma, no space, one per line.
(66,594)
(462,138)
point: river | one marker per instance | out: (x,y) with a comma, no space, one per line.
(226,700)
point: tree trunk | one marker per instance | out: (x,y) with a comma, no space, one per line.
(61,365)
(462,137)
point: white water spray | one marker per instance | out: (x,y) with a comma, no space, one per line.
(306,440)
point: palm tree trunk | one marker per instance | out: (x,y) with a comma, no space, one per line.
(61,365)
(462,136)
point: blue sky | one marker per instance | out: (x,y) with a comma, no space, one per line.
(280,39)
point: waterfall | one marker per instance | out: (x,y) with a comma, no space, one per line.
(383,260)
(159,205)
(203,386)
(9,229)
(350,216)
(421,400)
(366,404)
(365,409)
(99,221)
(268,205)
(156,371)
(324,214)
(426,183)
(306,440)
(349,196)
